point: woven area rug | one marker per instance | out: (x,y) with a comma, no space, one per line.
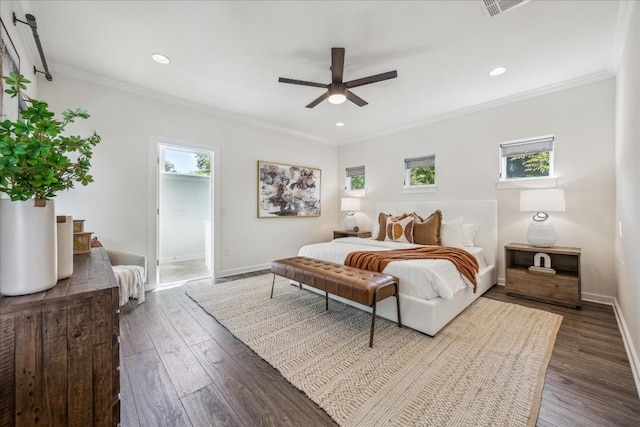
(485,368)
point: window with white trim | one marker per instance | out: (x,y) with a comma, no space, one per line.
(354,178)
(527,158)
(420,171)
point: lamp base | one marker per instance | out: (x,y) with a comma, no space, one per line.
(350,223)
(541,234)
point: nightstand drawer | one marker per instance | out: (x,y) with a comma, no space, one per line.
(556,288)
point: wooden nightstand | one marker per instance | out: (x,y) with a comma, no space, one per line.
(561,288)
(344,233)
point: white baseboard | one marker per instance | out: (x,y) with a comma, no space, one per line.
(634,361)
(181,258)
(600,299)
(248,269)
(628,345)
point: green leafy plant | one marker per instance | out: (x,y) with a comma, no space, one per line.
(37,160)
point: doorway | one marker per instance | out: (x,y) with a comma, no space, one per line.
(184,214)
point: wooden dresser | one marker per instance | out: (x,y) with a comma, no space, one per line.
(59,350)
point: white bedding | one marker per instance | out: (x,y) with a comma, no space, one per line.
(425,279)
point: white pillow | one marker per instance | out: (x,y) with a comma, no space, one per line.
(469,234)
(451,233)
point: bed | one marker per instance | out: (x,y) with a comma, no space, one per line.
(432,292)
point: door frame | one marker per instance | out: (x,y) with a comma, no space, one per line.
(153,246)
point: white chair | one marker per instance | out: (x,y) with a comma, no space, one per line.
(131,274)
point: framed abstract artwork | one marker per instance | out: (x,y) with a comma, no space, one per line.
(9,61)
(287,190)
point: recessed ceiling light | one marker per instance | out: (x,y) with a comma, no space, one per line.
(339,124)
(160,58)
(497,71)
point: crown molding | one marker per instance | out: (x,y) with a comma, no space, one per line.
(105,81)
(181,102)
(581,81)
(623,22)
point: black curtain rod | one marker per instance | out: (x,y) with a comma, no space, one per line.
(31,22)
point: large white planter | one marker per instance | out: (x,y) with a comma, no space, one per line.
(28,249)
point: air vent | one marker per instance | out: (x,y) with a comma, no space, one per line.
(496,7)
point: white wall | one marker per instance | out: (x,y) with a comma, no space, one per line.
(467,167)
(185,205)
(119,206)
(627,158)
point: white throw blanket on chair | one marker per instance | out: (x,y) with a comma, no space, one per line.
(131,282)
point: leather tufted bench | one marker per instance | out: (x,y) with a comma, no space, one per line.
(361,286)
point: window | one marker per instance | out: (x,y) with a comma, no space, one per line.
(526,159)
(354,179)
(184,162)
(420,171)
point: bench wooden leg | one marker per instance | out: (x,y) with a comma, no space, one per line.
(373,312)
(398,305)
(273,284)
(373,320)
(326,300)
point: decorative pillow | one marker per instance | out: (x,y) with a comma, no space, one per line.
(468,234)
(451,233)
(382,224)
(427,232)
(400,230)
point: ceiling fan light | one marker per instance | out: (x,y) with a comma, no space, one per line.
(337,98)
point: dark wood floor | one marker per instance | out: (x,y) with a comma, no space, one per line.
(181,368)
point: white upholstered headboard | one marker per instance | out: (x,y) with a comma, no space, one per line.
(483,212)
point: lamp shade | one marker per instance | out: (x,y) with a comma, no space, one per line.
(350,204)
(547,200)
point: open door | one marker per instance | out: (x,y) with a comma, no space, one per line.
(184,214)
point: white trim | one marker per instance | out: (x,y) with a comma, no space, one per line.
(153,236)
(192,257)
(94,78)
(634,362)
(598,299)
(181,102)
(623,21)
(242,270)
(581,81)
(527,183)
(356,193)
(415,189)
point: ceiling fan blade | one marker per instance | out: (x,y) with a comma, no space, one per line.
(356,99)
(372,79)
(318,100)
(302,82)
(337,64)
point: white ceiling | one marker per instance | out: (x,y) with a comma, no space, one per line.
(227,55)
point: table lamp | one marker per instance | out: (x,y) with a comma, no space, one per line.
(541,232)
(350,204)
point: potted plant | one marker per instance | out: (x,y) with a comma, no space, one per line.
(37,160)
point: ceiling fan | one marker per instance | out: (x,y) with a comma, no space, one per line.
(338,91)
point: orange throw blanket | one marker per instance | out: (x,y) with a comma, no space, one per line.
(378,260)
